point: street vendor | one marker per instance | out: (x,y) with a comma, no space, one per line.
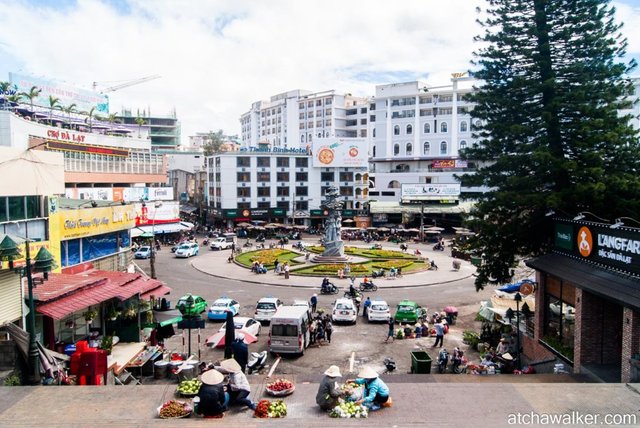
(213,399)
(376,392)
(239,388)
(329,391)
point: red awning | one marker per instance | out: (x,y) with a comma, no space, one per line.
(156,292)
(77,301)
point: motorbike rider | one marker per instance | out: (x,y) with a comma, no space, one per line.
(325,285)
(352,288)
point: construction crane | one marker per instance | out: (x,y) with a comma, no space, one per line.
(127,83)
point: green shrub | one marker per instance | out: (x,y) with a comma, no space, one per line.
(12,380)
(560,347)
(392,263)
(471,338)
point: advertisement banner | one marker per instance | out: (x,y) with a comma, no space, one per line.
(448,163)
(165,212)
(94,221)
(84,99)
(599,244)
(340,152)
(429,191)
(34,247)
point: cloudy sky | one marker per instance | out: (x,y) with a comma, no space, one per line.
(216,57)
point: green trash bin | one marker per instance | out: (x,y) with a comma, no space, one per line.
(420,362)
(476,261)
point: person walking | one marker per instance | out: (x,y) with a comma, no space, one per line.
(314,303)
(286,270)
(328,329)
(366,306)
(439,327)
(392,325)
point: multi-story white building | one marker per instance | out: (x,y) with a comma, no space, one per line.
(293,119)
(278,185)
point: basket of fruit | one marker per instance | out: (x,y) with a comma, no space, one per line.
(189,388)
(173,409)
(280,388)
(271,409)
(349,409)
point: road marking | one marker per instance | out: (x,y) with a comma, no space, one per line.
(352,361)
(275,364)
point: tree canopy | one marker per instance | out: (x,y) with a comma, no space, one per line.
(214,142)
(554,84)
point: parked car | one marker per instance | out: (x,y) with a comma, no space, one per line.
(250,325)
(378,311)
(266,307)
(407,312)
(218,311)
(344,310)
(223,242)
(143,252)
(304,303)
(199,305)
(187,250)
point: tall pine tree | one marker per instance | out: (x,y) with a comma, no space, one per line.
(552,138)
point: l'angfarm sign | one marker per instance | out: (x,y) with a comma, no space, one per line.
(598,243)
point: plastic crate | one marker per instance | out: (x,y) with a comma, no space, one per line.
(420,362)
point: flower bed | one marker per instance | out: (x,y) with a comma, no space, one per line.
(334,268)
(392,263)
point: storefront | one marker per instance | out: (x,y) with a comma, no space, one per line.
(96,235)
(589,294)
(232,217)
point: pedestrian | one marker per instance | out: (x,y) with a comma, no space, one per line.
(314,302)
(392,325)
(286,270)
(312,332)
(275,265)
(240,351)
(233,248)
(328,329)
(439,327)
(239,388)
(366,306)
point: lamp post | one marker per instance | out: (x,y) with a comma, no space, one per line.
(43,262)
(152,259)
(518,299)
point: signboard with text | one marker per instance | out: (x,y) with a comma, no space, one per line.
(81,222)
(340,152)
(425,191)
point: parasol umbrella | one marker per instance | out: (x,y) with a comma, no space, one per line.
(229,336)
(348,221)
(450,310)
(218,340)
(434,229)
(243,224)
(383,229)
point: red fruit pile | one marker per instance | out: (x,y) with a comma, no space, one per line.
(280,385)
(262,409)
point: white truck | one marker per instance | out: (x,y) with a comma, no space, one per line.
(223,242)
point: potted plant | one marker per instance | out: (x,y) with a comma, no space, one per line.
(90,315)
(112,313)
(107,344)
(130,313)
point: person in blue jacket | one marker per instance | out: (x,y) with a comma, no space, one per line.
(376,392)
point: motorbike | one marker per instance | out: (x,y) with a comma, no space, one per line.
(443,359)
(389,364)
(248,244)
(349,295)
(378,273)
(256,362)
(205,242)
(404,247)
(458,361)
(260,238)
(368,286)
(329,289)
(299,246)
(438,247)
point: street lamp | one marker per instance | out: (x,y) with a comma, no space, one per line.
(152,259)
(518,299)
(43,262)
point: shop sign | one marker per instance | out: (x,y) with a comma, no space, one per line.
(448,163)
(600,244)
(424,191)
(277,212)
(272,150)
(95,221)
(81,148)
(231,213)
(348,213)
(318,213)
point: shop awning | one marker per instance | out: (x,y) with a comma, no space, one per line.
(383,207)
(159,229)
(156,292)
(167,317)
(189,209)
(622,289)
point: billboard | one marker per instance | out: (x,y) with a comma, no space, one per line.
(127,194)
(423,191)
(79,223)
(84,99)
(340,152)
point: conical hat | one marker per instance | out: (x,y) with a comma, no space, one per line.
(231,366)
(333,371)
(212,377)
(368,373)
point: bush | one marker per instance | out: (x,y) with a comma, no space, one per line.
(471,338)
(334,268)
(392,263)
(267,257)
(12,380)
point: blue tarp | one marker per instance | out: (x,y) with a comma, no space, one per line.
(512,288)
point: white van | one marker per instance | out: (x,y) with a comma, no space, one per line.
(289,330)
(223,242)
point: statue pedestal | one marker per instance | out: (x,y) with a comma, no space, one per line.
(333,253)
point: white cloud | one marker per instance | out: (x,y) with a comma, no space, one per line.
(217,57)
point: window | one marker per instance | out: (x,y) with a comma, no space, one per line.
(426,128)
(282,176)
(243,161)
(244,177)
(396,130)
(264,205)
(346,191)
(463,144)
(409,129)
(16,208)
(302,136)
(302,162)
(374,132)
(264,191)
(403,167)
(443,148)
(302,191)
(282,191)
(346,176)
(426,148)
(302,176)
(301,205)
(244,192)
(443,127)
(264,177)
(463,126)
(282,162)
(409,149)
(559,314)
(264,162)
(327,176)
(477,124)
(394,184)
(396,149)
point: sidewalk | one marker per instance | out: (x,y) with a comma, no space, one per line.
(418,400)
(215,263)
